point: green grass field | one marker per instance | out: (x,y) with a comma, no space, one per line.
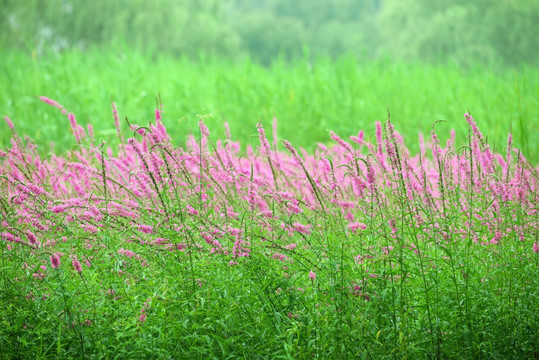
(307,99)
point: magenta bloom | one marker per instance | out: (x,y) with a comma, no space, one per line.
(264,145)
(55,261)
(9,123)
(147,229)
(57,209)
(76,264)
(312,275)
(536,247)
(90,228)
(31,237)
(355,225)
(302,229)
(203,129)
(127,253)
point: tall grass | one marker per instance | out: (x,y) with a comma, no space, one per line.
(361,249)
(306,98)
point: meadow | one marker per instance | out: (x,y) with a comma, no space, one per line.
(307,98)
(314,236)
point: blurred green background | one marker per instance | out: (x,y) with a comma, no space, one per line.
(313,64)
(486,31)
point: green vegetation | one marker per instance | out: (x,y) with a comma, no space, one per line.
(148,236)
(306,98)
(447,31)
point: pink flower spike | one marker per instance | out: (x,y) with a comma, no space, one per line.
(312,275)
(203,128)
(302,229)
(31,237)
(55,261)
(536,248)
(264,145)
(359,138)
(147,229)
(227,130)
(9,123)
(127,253)
(355,225)
(76,264)
(51,102)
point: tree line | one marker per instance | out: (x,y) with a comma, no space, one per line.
(465,32)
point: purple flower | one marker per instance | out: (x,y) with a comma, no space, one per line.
(146,229)
(76,264)
(55,261)
(356,225)
(203,128)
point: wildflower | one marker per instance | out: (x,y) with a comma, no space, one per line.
(53,103)
(55,261)
(387,249)
(252,196)
(341,142)
(90,228)
(356,225)
(496,239)
(191,210)
(9,123)
(135,147)
(78,131)
(57,209)
(76,264)
(266,213)
(90,131)
(290,148)
(234,231)
(31,237)
(312,275)
(116,121)
(359,138)
(536,247)
(290,247)
(370,172)
(146,229)
(379,137)
(302,229)
(127,253)
(279,256)
(203,128)
(263,140)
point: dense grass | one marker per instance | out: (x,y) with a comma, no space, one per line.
(307,99)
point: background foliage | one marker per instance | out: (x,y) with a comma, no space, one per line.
(484,31)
